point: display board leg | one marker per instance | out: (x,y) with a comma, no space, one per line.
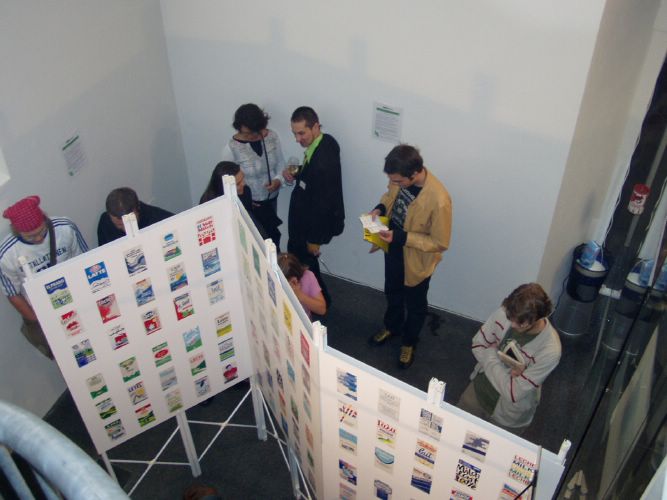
(188,443)
(294,472)
(108,465)
(258,408)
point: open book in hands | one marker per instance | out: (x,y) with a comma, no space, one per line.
(373,227)
(512,357)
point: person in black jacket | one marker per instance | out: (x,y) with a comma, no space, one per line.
(316,211)
(122,201)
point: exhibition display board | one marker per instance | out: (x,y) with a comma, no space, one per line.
(283,350)
(148,325)
(386,439)
(151,324)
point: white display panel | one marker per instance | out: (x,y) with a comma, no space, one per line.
(281,340)
(385,440)
(126,370)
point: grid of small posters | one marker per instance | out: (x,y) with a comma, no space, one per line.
(139,317)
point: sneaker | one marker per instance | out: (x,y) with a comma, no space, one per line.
(380,337)
(407,356)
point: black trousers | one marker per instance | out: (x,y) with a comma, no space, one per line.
(266,213)
(300,250)
(406,305)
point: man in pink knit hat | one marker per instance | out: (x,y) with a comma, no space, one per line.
(43,242)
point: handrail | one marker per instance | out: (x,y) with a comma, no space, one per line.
(54,457)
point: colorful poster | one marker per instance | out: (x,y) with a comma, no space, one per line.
(425,453)
(161,354)
(255,261)
(347,471)
(475,446)
(467,474)
(347,384)
(347,414)
(129,369)
(272,288)
(347,441)
(205,230)
(135,261)
(151,321)
(71,323)
(223,324)
(382,490)
(509,493)
(83,353)
(108,308)
(230,371)
(305,349)
(216,291)
(97,277)
(174,400)
(192,339)
(386,433)
(459,495)
(287,316)
(118,337)
(168,378)
(177,276)
(421,480)
(384,460)
(305,379)
(242,237)
(115,430)
(522,470)
(143,292)
(389,404)
(183,306)
(226,349)
(145,415)
(137,393)
(202,386)
(210,262)
(430,424)
(197,363)
(96,385)
(58,292)
(106,408)
(170,246)
(346,492)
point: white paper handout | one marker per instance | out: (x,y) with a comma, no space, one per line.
(373,226)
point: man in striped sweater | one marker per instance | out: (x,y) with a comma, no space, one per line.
(32,236)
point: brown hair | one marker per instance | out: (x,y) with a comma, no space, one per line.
(290,266)
(527,304)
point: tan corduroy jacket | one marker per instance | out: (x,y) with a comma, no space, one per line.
(428,225)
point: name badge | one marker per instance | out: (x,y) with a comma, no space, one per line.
(302,185)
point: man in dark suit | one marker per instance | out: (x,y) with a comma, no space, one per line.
(316,211)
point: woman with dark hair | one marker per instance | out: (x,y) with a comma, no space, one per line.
(215,188)
(303,283)
(258,152)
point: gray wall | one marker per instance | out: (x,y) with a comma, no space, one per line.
(98,68)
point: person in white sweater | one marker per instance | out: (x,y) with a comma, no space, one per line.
(505,389)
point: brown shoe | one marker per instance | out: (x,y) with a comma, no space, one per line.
(380,337)
(407,356)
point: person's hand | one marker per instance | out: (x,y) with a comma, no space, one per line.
(375,213)
(313,249)
(287,176)
(272,186)
(515,372)
(387,236)
(373,249)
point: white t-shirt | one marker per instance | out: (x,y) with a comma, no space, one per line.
(69,243)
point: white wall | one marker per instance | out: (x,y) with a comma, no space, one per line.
(99,68)
(628,56)
(490,91)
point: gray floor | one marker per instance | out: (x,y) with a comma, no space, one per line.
(240,466)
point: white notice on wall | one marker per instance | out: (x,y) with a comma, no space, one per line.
(75,159)
(387,122)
